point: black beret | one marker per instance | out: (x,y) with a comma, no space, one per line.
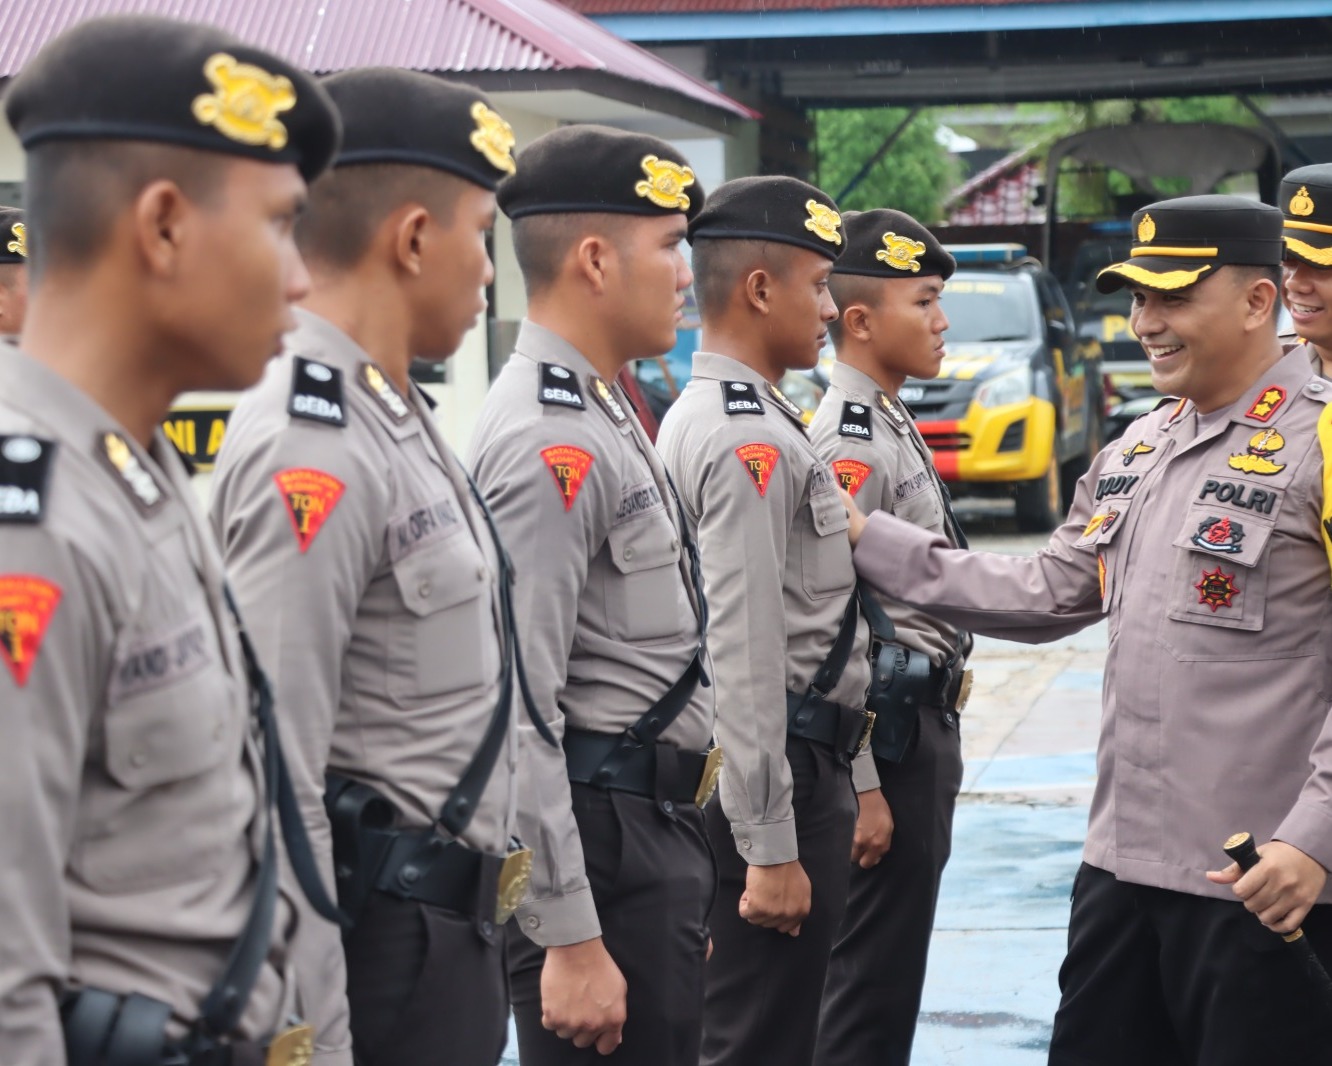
(1306,200)
(1180,241)
(404,116)
(890,244)
(595,168)
(143,78)
(13,236)
(781,209)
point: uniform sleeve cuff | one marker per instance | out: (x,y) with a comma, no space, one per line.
(559,920)
(864,774)
(1309,827)
(767,844)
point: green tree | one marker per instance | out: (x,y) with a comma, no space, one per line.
(914,176)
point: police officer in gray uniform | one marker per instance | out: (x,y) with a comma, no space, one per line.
(1306,201)
(13,270)
(140,771)
(887,284)
(609,608)
(376,587)
(789,646)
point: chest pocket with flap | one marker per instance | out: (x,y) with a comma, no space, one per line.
(645,595)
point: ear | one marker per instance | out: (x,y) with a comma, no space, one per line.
(856,323)
(1261,298)
(594,257)
(161,217)
(410,230)
(759,291)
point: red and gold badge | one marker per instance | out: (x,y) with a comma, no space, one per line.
(851,474)
(1217,589)
(568,466)
(1100,572)
(759,460)
(1268,403)
(310,496)
(26,606)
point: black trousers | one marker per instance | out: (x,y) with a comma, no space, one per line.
(1161,978)
(653,881)
(764,987)
(423,986)
(877,968)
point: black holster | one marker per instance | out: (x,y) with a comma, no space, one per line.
(901,684)
(362,821)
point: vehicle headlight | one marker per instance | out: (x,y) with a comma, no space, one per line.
(1012,386)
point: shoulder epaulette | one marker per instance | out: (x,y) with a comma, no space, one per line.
(316,393)
(25,463)
(856,421)
(610,403)
(559,385)
(740,398)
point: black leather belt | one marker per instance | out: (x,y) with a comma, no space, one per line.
(658,771)
(844,729)
(421,865)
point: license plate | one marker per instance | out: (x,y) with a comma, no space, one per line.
(911,393)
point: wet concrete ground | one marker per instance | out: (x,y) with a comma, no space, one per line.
(1029,737)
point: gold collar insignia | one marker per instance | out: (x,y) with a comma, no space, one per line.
(900,253)
(1302,203)
(245,103)
(19,244)
(493,138)
(666,182)
(1146,229)
(823,222)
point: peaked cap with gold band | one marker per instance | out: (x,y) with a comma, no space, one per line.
(1306,201)
(890,244)
(143,78)
(1179,242)
(404,116)
(772,208)
(13,236)
(588,168)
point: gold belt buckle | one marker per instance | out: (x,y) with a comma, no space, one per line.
(293,1046)
(870,716)
(514,877)
(707,784)
(964,690)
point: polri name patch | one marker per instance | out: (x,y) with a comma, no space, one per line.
(559,385)
(24,465)
(316,393)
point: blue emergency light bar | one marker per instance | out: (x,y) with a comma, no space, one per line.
(1113,225)
(986,253)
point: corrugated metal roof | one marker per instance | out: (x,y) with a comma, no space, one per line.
(448,36)
(759,7)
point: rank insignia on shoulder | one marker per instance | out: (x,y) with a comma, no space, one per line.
(568,465)
(890,409)
(25,463)
(788,408)
(316,393)
(1257,457)
(851,474)
(1268,403)
(856,421)
(384,392)
(27,603)
(759,461)
(559,385)
(309,496)
(1134,450)
(740,398)
(134,478)
(609,401)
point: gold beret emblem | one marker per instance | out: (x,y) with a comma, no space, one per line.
(1302,203)
(493,138)
(1146,229)
(19,244)
(823,222)
(666,182)
(245,103)
(900,253)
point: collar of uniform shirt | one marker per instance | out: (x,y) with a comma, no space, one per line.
(543,345)
(856,383)
(335,347)
(717,367)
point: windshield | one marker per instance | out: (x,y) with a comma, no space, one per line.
(987,309)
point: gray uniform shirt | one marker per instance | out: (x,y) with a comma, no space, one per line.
(1206,550)
(129,771)
(880,458)
(777,573)
(368,579)
(605,608)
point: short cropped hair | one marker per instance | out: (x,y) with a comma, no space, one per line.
(720,264)
(1244,275)
(541,242)
(348,204)
(848,289)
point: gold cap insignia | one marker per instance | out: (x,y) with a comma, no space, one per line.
(823,222)
(246,102)
(901,253)
(1146,229)
(493,138)
(1302,203)
(19,244)
(666,182)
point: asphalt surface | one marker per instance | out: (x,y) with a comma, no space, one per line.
(1029,739)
